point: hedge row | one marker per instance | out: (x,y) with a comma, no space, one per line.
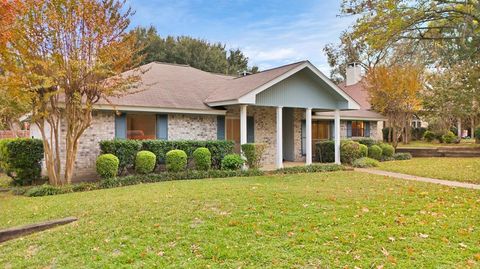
(126,150)
(46,189)
(20,159)
(351,150)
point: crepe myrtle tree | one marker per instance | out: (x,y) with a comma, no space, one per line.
(61,57)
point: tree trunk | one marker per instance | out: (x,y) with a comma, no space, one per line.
(50,157)
(459,128)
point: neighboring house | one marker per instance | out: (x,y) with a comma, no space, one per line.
(276,107)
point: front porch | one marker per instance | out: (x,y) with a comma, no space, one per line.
(287,131)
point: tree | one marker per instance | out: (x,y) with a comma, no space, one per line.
(63,56)
(198,53)
(394,91)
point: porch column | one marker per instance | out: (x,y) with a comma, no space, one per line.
(279,157)
(337,135)
(308,130)
(243,124)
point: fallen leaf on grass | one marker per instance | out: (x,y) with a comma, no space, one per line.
(423,235)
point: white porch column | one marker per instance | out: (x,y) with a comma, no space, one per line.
(308,130)
(243,124)
(279,157)
(337,135)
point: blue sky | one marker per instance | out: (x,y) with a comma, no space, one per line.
(270,32)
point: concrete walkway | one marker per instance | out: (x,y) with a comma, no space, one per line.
(422,179)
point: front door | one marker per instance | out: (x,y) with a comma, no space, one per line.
(233,132)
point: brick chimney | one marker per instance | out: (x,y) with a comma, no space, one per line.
(354,74)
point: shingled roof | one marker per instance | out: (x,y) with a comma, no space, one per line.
(174,86)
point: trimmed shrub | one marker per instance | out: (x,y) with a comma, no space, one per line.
(375,152)
(418,133)
(363,150)
(402,156)
(253,152)
(107,165)
(176,160)
(477,135)
(349,151)
(202,158)
(367,141)
(325,151)
(314,168)
(429,136)
(387,150)
(145,162)
(439,137)
(365,162)
(125,150)
(449,137)
(20,159)
(218,148)
(232,162)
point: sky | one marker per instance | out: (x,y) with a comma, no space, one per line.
(269,32)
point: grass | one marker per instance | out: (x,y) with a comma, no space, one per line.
(436,144)
(308,220)
(458,169)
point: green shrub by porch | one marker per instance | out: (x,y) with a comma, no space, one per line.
(202,158)
(349,151)
(375,152)
(107,165)
(232,162)
(387,150)
(145,162)
(176,160)
(20,159)
(325,151)
(125,150)
(477,135)
(367,141)
(363,150)
(253,153)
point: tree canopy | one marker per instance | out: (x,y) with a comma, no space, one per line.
(198,53)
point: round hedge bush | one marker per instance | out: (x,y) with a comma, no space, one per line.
(387,150)
(202,158)
(176,160)
(363,150)
(375,152)
(365,162)
(232,162)
(402,156)
(449,137)
(429,136)
(107,165)
(145,162)
(477,134)
(349,151)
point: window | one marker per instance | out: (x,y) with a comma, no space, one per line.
(141,126)
(358,129)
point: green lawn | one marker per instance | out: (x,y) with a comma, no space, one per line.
(436,144)
(458,169)
(311,220)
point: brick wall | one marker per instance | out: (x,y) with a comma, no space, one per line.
(103,128)
(192,127)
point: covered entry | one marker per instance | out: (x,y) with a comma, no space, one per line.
(299,87)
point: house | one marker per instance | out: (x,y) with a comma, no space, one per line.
(288,108)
